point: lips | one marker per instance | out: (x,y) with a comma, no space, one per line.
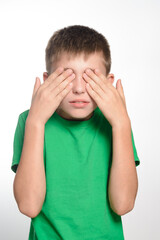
(79,104)
(79,100)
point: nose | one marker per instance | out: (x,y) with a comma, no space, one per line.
(79,84)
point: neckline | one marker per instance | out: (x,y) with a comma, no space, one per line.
(76,123)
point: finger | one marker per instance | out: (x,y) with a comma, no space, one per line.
(36,86)
(93,94)
(101,80)
(96,87)
(100,75)
(60,78)
(120,90)
(54,75)
(92,75)
(63,93)
(57,90)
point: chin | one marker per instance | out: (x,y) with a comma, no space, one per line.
(76,115)
(84,117)
(81,116)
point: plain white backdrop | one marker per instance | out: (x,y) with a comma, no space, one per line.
(133,31)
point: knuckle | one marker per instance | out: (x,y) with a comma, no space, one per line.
(63,92)
(64,74)
(67,81)
(58,88)
(95,87)
(59,97)
(68,72)
(93,94)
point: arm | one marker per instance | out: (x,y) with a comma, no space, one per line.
(30,184)
(123,181)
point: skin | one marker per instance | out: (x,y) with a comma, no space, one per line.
(123,181)
(30,189)
(79,64)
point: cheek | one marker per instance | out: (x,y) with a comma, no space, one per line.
(93,102)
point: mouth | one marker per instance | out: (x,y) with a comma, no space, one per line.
(79,104)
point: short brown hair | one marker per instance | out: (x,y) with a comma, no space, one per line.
(76,39)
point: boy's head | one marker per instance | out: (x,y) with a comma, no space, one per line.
(77,47)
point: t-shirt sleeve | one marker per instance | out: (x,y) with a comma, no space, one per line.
(136,158)
(18,143)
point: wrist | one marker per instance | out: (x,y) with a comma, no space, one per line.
(122,125)
(34,122)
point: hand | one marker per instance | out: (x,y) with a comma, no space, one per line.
(47,96)
(110,100)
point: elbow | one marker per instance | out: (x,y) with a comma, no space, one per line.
(29,211)
(28,206)
(123,209)
(123,203)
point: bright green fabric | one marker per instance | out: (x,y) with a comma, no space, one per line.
(77,159)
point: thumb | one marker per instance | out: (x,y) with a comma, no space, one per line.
(36,86)
(120,90)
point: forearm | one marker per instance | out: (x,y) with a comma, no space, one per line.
(123,181)
(30,182)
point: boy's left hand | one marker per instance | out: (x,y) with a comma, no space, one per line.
(110,100)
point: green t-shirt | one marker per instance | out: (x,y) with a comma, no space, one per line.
(77,159)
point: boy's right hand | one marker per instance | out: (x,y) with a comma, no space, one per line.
(48,95)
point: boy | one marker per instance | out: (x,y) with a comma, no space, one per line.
(74,153)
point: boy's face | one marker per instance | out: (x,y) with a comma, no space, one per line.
(78,64)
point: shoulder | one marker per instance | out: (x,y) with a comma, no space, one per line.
(24,115)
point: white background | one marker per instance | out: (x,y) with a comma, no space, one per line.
(132,29)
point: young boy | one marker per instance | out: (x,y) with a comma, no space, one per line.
(74,153)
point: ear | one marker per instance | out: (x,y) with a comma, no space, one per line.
(45,76)
(110,78)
